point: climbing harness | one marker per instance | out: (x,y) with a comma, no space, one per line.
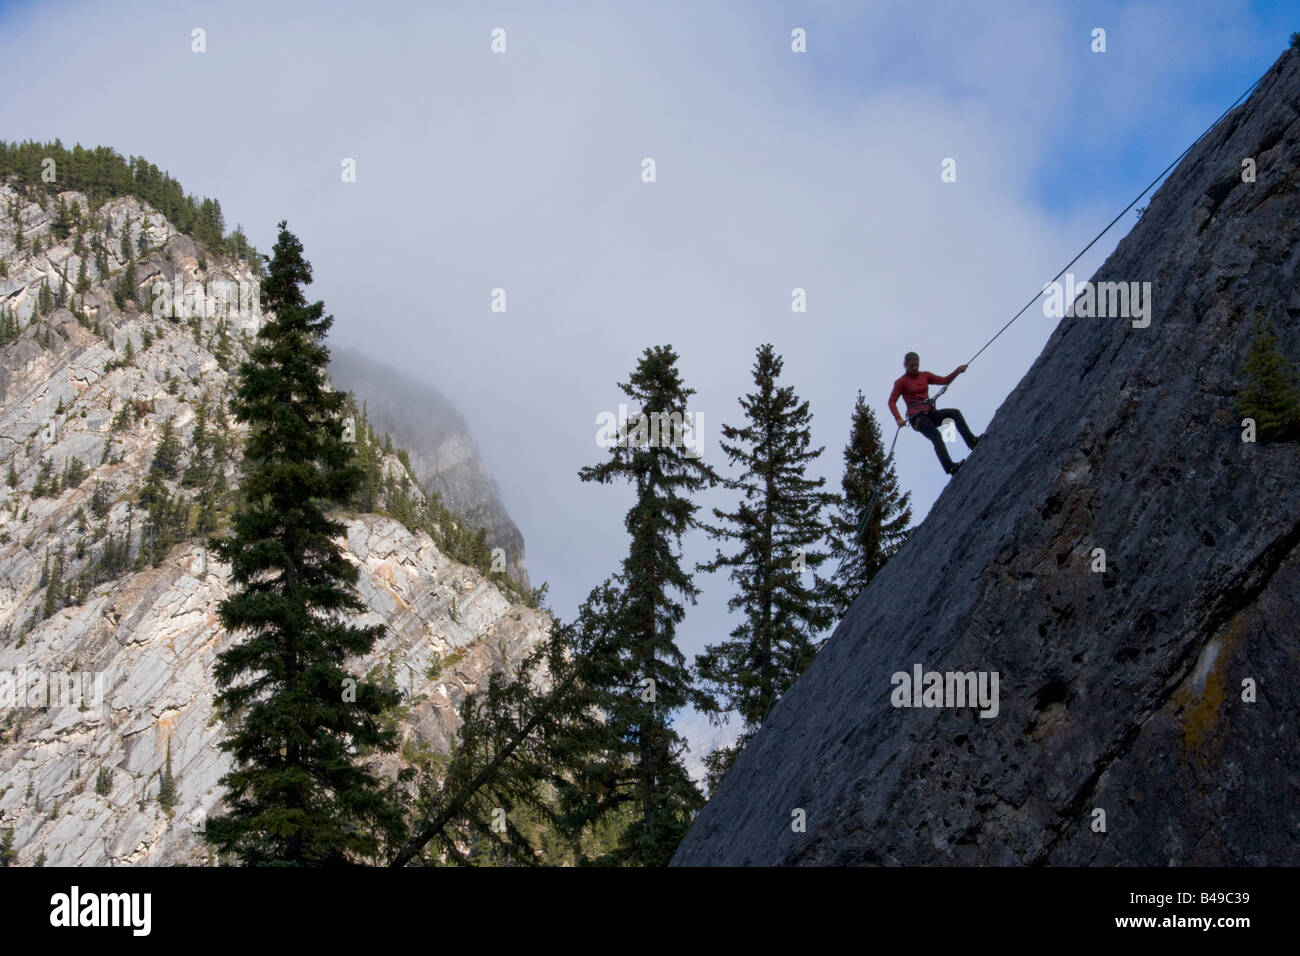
(933,402)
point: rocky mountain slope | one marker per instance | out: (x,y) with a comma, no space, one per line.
(442,452)
(90,587)
(1146,714)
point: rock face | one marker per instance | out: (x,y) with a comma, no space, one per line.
(1126,731)
(442,453)
(125,658)
(151,640)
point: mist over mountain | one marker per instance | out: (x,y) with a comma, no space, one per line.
(442,452)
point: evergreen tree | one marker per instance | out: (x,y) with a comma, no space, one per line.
(167,782)
(776,526)
(641,676)
(100,499)
(197,471)
(168,515)
(865,470)
(62,224)
(1270,396)
(166,457)
(125,289)
(74,472)
(298,792)
(8,326)
(46,481)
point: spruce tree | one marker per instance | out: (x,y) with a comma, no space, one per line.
(641,675)
(858,558)
(776,526)
(167,782)
(299,793)
(1270,396)
(8,325)
(62,223)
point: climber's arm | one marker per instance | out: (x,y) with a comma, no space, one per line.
(893,404)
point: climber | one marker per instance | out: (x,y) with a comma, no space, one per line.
(914,387)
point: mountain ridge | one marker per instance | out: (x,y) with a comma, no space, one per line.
(103,568)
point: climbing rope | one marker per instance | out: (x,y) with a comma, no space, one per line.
(933,402)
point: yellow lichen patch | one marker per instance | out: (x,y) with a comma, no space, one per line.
(386,573)
(165,726)
(1205,690)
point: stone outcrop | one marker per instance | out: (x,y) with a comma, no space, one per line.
(1146,713)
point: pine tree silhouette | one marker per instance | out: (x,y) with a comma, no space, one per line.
(777,525)
(640,674)
(858,559)
(298,793)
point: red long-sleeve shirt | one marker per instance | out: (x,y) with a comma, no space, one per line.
(915,390)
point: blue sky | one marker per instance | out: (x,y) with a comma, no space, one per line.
(776,170)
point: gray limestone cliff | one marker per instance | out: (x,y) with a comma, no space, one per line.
(442,452)
(1147,714)
(121,648)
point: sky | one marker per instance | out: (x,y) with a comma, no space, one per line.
(775,170)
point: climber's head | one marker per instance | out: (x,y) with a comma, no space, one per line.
(912,362)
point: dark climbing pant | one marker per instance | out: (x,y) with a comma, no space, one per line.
(927,423)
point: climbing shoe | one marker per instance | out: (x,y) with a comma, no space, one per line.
(955,466)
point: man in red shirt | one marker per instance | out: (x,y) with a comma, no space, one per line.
(914,387)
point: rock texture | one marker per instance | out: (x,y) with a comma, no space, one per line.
(153,637)
(1120,692)
(79,784)
(442,452)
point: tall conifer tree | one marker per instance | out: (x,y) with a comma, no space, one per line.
(641,675)
(858,560)
(298,793)
(776,526)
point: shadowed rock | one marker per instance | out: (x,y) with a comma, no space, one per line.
(1120,691)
